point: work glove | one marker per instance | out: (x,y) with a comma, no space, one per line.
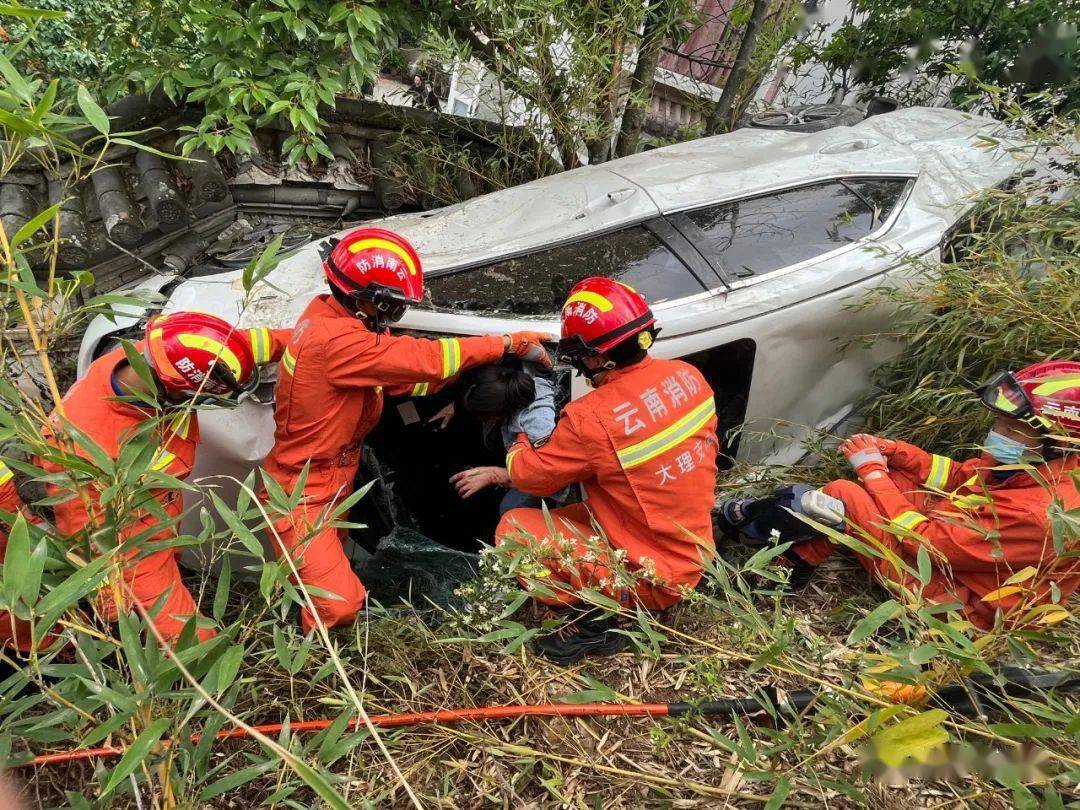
(469,482)
(864,455)
(886,446)
(527,346)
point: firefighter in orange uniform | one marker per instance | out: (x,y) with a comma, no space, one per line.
(339,363)
(196,359)
(643,446)
(983,520)
(13,632)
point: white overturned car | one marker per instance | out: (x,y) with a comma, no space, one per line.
(750,246)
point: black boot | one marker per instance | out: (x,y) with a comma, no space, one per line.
(801,571)
(581,634)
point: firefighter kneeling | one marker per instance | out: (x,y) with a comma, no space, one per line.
(643,446)
(984,521)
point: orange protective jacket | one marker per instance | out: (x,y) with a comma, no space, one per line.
(984,531)
(92,406)
(643,445)
(330,391)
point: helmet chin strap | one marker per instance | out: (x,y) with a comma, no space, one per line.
(591,374)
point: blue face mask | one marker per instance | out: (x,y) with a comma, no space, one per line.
(1004,449)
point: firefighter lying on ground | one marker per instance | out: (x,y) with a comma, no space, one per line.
(508,401)
(643,447)
(984,521)
(195,359)
(340,361)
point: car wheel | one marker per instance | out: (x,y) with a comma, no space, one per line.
(808,117)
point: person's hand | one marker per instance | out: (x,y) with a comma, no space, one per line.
(864,455)
(528,346)
(443,417)
(469,482)
(886,446)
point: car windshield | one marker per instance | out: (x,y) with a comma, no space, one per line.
(537,283)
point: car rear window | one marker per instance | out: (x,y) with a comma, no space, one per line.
(762,234)
(537,283)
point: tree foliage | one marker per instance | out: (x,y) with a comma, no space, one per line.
(1029,46)
(248,62)
(557,67)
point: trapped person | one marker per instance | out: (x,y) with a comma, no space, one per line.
(509,402)
(984,520)
(643,446)
(340,361)
(195,359)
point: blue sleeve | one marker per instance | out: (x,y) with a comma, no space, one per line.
(536,420)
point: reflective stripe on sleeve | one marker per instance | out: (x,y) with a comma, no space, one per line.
(162,459)
(260,344)
(510,459)
(451,356)
(940,468)
(909,520)
(420,389)
(5,473)
(288,361)
(181,424)
(671,436)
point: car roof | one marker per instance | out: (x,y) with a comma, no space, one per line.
(749,161)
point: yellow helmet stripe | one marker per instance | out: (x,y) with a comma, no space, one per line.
(1056,384)
(219,350)
(157,353)
(589,297)
(385,244)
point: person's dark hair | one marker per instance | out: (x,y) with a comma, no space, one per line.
(496,390)
(628,352)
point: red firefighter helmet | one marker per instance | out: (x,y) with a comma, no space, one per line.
(599,314)
(1045,395)
(195,355)
(377,265)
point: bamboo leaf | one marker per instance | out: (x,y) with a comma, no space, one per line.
(779,794)
(912,738)
(16,560)
(1023,575)
(31,13)
(34,225)
(877,617)
(136,754)
(925,567)
(93,112)
(1001,593)
(317,782)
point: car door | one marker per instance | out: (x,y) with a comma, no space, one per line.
(788,264)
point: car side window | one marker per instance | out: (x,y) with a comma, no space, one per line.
(537,283)
(762,234)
